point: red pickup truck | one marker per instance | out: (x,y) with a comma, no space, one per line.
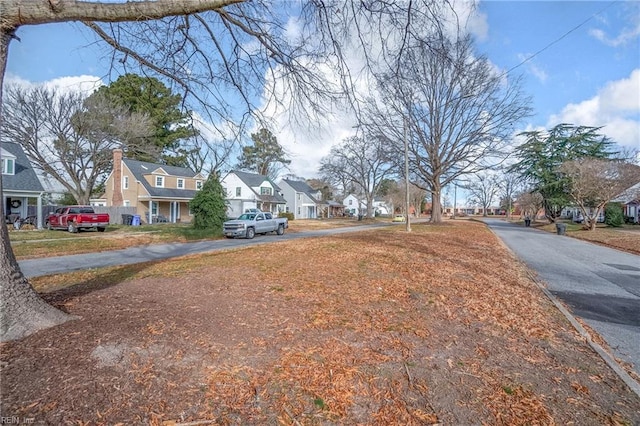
(75,218)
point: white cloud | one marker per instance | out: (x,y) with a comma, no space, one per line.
(616,107)
(83,83)
(626,34)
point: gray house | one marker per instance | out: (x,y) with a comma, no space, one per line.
(302,200)
(21,187)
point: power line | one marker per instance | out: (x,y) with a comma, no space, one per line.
(561,37)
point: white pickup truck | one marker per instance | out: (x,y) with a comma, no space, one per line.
(250,224)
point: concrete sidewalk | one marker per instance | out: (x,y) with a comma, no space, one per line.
(600,285)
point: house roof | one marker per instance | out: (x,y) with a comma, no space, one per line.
(24,177)
(300,186)
(142,168)
(629,195)
(254,180)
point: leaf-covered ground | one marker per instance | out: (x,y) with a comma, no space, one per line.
(440,326)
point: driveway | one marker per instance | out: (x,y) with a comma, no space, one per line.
(599,284)
(62,264)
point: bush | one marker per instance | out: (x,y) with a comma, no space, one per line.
(209,206)
(613,215)
(289,215)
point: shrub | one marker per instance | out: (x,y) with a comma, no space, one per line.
(209,206)
(613,215)
(289,215)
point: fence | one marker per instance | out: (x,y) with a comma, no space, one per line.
(115,213)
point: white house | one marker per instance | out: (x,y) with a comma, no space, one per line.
(353,206)
(302,200)
(251,191)
(630,200)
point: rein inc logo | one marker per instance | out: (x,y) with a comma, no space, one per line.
(15,420)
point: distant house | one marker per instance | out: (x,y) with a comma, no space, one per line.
(20,185)
(302,200)
(159,192)
(354,206)
(630,200)
(252,191)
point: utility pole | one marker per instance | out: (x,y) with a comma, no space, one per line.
(406,175)
(455,193)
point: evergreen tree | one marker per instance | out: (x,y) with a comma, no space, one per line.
(209,206)
(542,154)
(266,156)
(149,96)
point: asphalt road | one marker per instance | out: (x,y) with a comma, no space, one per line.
(62,264)
(600,285)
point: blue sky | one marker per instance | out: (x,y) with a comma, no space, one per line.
(587,70)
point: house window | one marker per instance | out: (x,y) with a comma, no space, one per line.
(127,203)
(350,202)
(154,208)
(159,181)
(238,191)
(265,190)
(125,182)
(8,166)
(198,184)
(299,196)
(180,183)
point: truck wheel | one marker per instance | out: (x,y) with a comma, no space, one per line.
(71,228)
(251,233)
(101,229)
(280,229)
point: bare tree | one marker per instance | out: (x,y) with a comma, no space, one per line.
(530,203)
(482,188)
(363,162)
(508,184)
(593,182)
(68,136)
(460,113)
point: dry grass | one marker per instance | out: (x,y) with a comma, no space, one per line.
(626,238)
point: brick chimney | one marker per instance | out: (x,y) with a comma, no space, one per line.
(116,199)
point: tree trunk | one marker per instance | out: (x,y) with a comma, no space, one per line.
(436,207)
(22,310)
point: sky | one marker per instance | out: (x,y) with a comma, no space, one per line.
(579,60)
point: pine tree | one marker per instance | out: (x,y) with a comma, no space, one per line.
(209,206)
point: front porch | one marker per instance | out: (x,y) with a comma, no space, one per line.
(21,207)
(164,211)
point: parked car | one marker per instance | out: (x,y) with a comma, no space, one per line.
(75,218)
(398,218)
(250,224)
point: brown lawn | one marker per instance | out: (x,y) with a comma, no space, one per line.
(625,238)
(440,326)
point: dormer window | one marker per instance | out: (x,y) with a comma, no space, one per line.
(180,183)
(198,184)
(159,181)
(8,166)
(265,190)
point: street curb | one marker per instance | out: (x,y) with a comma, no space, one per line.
(605,355)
